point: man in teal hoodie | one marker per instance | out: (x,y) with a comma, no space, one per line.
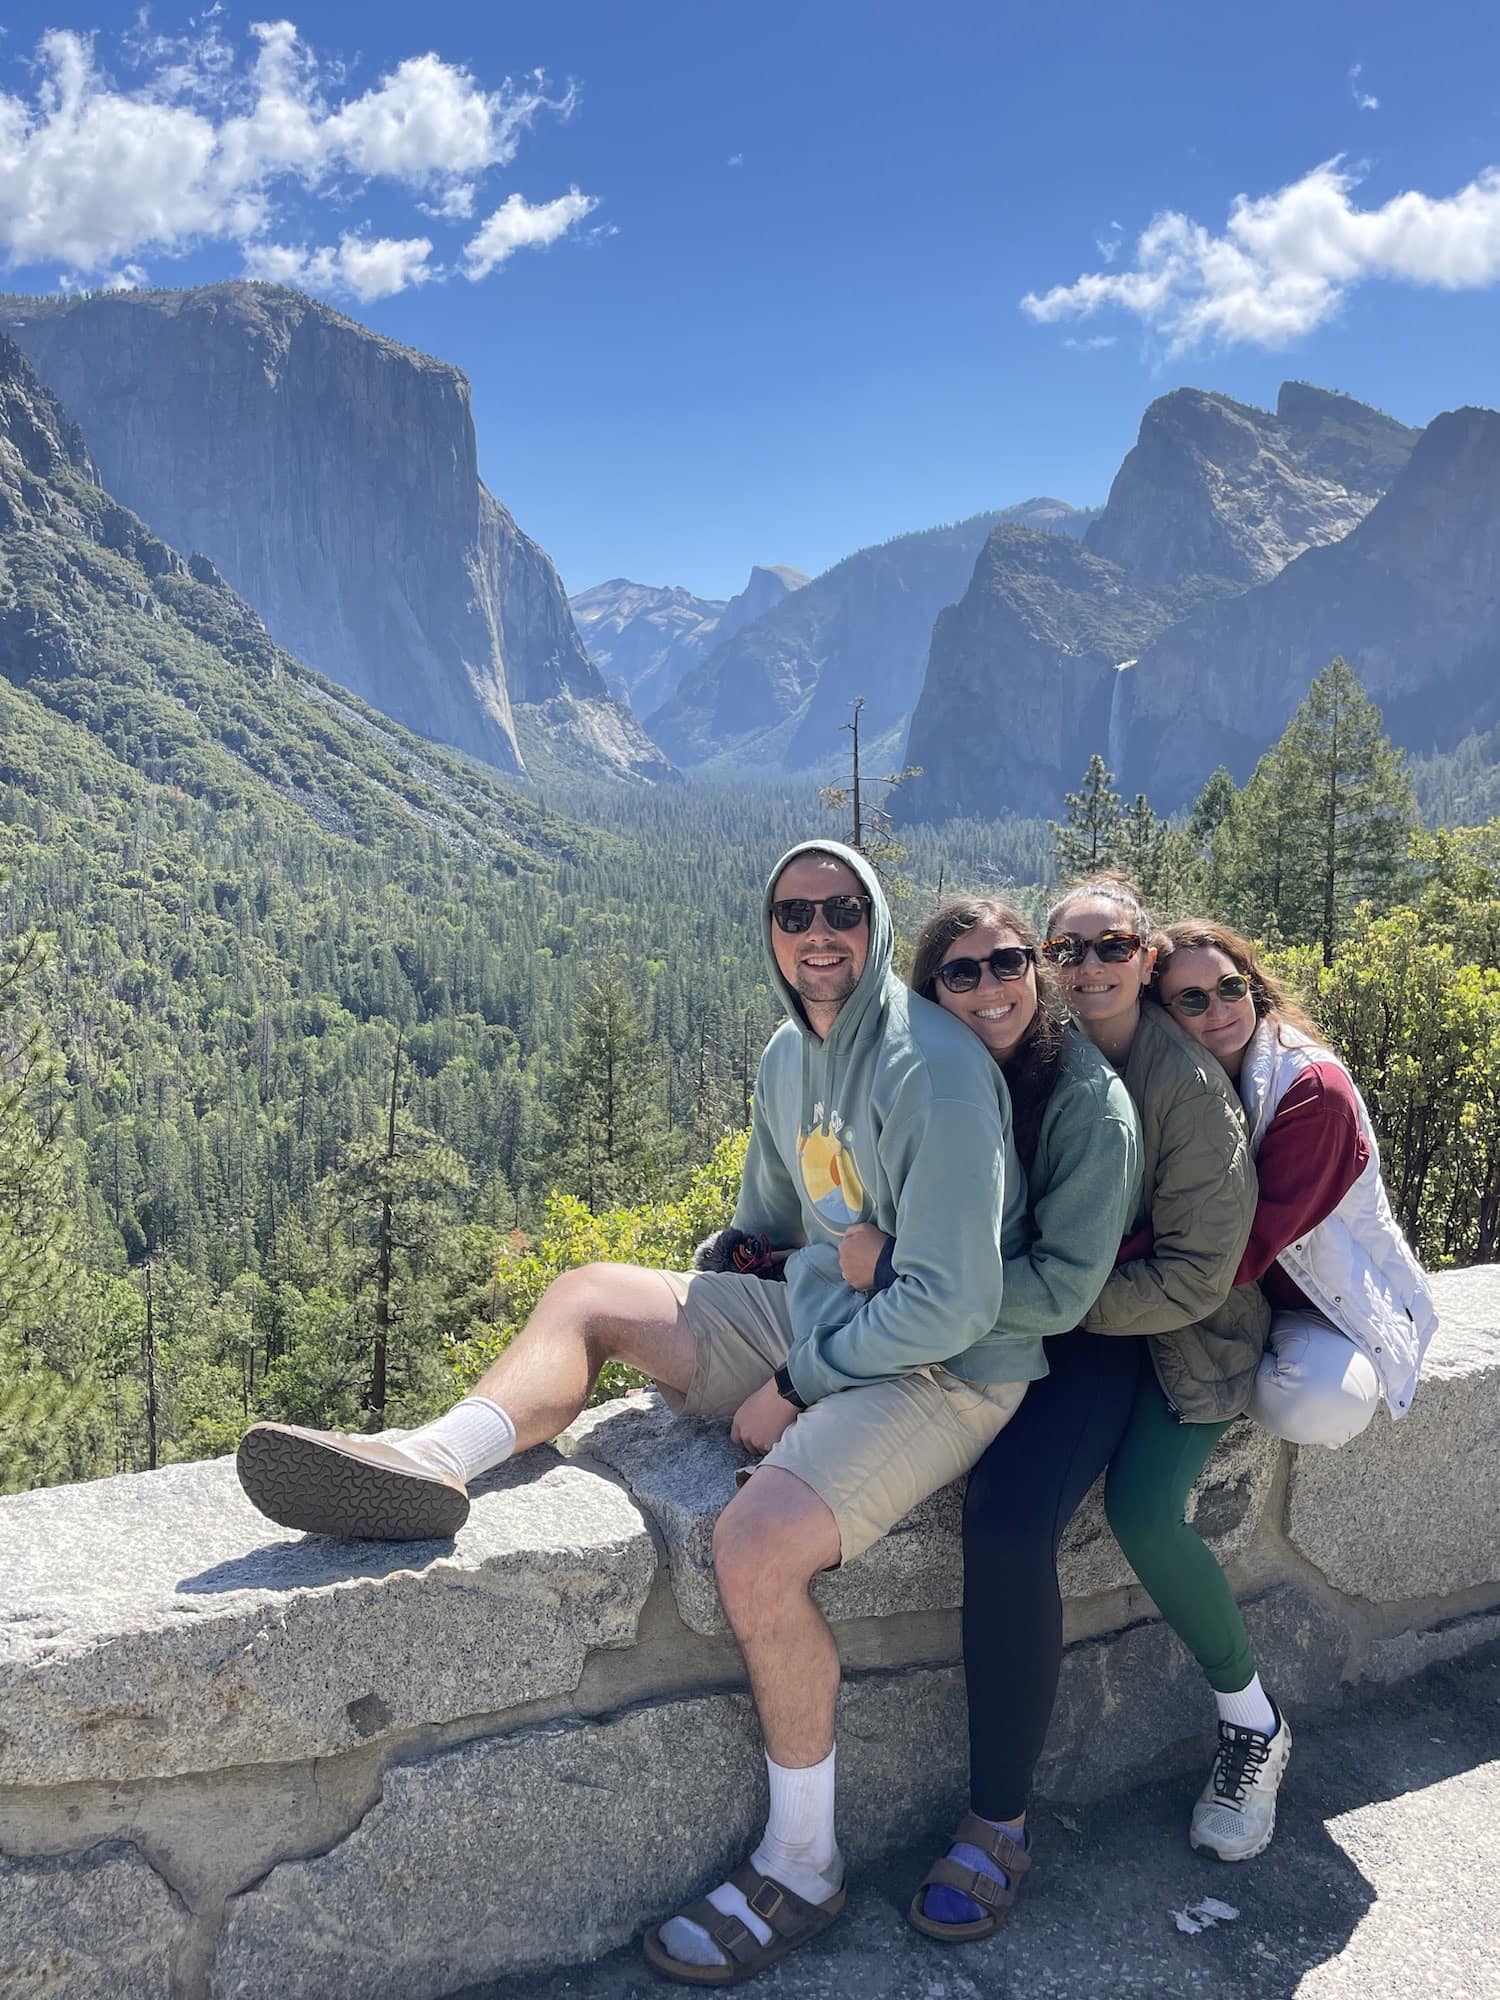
(871,1105)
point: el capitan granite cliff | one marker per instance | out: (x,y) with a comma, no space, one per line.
(331,475)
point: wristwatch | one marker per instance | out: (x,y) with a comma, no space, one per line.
(786,1388)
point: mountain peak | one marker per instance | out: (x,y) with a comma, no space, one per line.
(1227,493)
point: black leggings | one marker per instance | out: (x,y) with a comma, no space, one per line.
(1022,1494)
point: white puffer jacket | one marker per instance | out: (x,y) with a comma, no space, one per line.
(1355,1266)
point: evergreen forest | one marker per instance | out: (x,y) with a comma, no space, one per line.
(299,1112)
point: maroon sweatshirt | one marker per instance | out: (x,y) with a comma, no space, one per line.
(1311,1156)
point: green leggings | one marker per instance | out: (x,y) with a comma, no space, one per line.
(1145,1497)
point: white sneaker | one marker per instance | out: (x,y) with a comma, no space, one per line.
(1236,1812)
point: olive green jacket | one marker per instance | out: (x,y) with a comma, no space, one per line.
(1198,1203)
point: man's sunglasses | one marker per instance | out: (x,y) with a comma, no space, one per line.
(840,913)
(1194,1000)
(1110,948)
(1007,961)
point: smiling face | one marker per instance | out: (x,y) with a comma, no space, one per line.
(1225,1026)
(822,965)
(1102,996)
(998,1010)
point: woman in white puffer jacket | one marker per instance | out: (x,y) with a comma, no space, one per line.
(1352,1313)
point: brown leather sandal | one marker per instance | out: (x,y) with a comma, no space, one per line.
(790,1920)
(995,1898)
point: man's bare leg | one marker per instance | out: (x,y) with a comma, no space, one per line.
(359,1487)
(598,1313)
(771,1541)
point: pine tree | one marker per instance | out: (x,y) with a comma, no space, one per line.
(1326,821)
(1210,812)
(395,1193)
(607,1129)
(1090,837)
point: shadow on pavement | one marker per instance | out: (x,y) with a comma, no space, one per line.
(1405,1774)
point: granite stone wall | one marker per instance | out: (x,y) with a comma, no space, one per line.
(236,1761)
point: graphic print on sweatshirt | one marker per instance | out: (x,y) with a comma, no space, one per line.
(829,1173)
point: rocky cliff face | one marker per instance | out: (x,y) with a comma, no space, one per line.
(1215,489)
(1411,598)
(776,694)
(644,639)
(1023,668)
(138,668)
(331,476)
(1218,511)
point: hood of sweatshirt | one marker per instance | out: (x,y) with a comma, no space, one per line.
(870,991)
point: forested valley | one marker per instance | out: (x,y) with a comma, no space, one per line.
(299,1124)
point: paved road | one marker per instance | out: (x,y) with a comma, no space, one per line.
(1383,1884)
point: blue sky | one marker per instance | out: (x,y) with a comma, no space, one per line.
(746,284)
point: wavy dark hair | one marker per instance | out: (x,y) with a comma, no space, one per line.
(1031,1069)
(1272,1001)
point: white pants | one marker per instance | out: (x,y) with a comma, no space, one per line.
(1313,1386)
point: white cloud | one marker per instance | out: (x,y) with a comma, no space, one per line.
(735,160)
(1092,344)
(1108,245)
(1361,96)
(454,204)
(208,144)
(1285,261)
(517,225)
(368,268)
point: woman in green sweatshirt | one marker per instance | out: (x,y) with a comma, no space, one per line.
(1152,1407)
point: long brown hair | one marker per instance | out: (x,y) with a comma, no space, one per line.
(1272,1001)
(1031,1069)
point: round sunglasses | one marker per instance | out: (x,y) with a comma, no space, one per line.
(1110,948)
(1006,962)
(1194,999)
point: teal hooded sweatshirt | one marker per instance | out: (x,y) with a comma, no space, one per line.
(898,1116)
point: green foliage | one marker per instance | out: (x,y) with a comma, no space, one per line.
(607,1130)
(1420,1030)
(660,1234)
(1326,821)
(1092,835)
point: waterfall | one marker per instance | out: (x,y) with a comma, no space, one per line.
(1119,719)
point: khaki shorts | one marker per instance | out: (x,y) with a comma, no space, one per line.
(870,1453)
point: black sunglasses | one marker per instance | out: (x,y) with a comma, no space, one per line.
(840,913)
(1006,962)
(1110,948)
(1194,1000)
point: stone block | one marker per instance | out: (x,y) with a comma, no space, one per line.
(157,1624)
(681,1470)
(83,1926)
(1406,1653)
(1412,1509)
(1137,1699)
(1225,1507)
(559,1842)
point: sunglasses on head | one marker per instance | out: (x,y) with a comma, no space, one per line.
(1110,948)
(1007,961)
(840,913)
(1194,1000)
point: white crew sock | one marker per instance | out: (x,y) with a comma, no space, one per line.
(1250,1708)
(798,1850)
(475,1436)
